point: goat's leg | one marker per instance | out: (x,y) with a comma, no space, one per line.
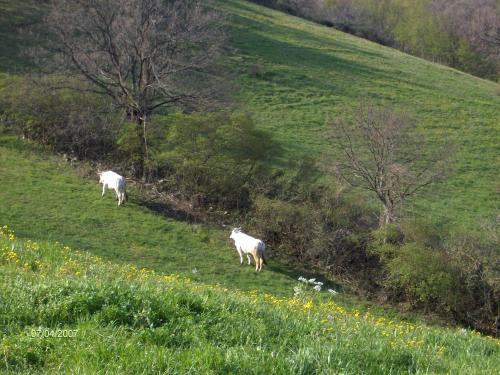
(256,262)
(118,196)
(248,257)
(103,190)
(241,257)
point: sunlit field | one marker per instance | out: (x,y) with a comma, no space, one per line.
(67,311)
(88,287)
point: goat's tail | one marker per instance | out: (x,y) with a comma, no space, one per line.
(262,251)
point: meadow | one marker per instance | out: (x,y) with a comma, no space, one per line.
(151,294)
(42,198)
(66,311)
(295,77)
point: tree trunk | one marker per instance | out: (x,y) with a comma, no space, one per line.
(387,216)
(141,166)
(145,152)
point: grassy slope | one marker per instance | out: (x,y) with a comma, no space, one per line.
(41,198)
(294,75)
(128,321)
(308,73)
(44,200)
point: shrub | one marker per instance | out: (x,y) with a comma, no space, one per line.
(77,123)
(213,159)
(289,228)
(459,277)
(424,276)
(476,257)
(322,230)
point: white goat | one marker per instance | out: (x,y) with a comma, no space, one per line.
(246,244)
(112,180)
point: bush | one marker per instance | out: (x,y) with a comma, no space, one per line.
(289,228)
(459,277)
(212,159)
(76,123)
(424,276)
(477,258)
(321,230)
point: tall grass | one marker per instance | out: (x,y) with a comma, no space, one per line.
(130,320)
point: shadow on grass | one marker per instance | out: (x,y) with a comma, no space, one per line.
(15,18)
(167,210)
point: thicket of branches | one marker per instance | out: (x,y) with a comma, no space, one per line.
(382,152)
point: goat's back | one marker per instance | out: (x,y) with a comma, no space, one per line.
(113,180)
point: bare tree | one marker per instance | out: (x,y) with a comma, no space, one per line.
(486,25)
(144,54)
(382,153)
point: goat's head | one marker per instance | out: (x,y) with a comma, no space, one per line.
(234,232)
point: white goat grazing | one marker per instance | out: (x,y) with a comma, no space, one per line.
(112,180)
(246,244)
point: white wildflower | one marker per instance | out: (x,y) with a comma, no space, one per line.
(317,288)
(333,291)
(303,279)
(312,281)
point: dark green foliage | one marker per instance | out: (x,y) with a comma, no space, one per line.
(324,230)
(477,256)
(214,160)
(424,276)
(458,278)
(76,123)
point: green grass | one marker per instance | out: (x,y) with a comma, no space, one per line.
(14,16)
(43,199)
(294,75)
(129,321)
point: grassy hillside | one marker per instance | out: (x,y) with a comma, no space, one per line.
(63,311)
(43,199)
(295,75)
